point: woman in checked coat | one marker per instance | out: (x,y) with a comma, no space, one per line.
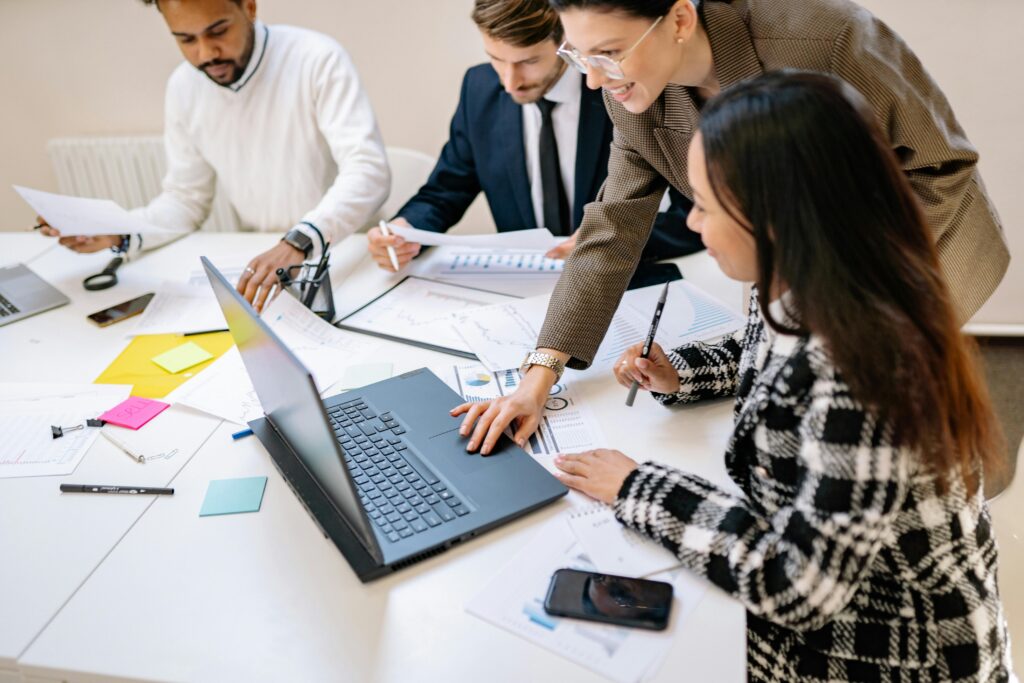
(861,545)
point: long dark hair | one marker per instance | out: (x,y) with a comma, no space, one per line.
(799,159)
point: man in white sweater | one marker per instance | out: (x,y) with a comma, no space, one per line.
(277,116)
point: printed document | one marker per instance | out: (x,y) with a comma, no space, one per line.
(502,335)
(514,601)
(418,311)
(75,216)
(613,548)
(539,238)
(27,412)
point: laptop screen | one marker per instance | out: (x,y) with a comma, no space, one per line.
(291,402)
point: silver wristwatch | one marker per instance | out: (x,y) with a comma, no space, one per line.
(545,359)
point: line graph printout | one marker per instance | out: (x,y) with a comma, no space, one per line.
(28,410)
(502,335)
(467,262)
(514,600)
(418,310)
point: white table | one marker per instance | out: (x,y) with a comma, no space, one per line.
(171,596)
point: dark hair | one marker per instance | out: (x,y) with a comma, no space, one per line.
(521,23)
(645,9)
(799,159)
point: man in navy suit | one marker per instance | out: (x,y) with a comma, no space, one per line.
(531,136)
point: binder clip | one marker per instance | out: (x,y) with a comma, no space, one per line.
(310,283)
(60,431)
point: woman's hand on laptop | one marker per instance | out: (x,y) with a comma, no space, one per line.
(524,407)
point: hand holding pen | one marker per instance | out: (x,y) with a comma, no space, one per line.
(646,365)
(389,250)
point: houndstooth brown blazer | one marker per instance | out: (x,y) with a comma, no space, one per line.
(749,37)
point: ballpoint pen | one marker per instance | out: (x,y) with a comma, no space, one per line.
(650,340)
(100,488)
(137,457)
(391,250)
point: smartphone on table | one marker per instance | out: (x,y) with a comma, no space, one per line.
(620,600)
(121,311)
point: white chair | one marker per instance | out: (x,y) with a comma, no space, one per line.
(410,169)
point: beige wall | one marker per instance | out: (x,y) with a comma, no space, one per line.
(98,67)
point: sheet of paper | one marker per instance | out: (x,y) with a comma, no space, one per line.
(567,426)
(503,334)
(180,308)
(28,410)
(613,548)
(420,310)
(81,216)
(540,238)
(182,357)
(134,412)
(232,496)
(177,435)
(514,601)
(224,388)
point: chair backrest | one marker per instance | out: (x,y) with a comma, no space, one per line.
(410,169)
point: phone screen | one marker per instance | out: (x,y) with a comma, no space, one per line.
(121,311)
(612,599)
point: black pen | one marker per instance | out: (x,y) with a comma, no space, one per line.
(317,273)
(650,340)
(192,334)
(134,490)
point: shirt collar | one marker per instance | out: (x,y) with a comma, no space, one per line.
(259,48)
(566,89)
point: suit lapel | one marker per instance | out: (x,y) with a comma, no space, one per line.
(593,124)
(514,154)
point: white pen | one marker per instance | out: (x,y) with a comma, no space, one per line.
(138,457)
(391,250)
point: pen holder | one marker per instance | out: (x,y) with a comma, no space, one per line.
(314,292)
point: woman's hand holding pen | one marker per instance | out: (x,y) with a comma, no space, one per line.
(654,373)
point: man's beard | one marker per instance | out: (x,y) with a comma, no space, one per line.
(536,91)
(238,67)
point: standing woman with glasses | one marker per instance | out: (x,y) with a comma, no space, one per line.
(658,62)
(860,544)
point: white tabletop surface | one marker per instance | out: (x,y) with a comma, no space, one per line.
(146,589)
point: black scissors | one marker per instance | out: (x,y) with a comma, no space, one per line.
(106,278)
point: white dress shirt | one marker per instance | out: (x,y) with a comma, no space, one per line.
(294,139)
(565,118)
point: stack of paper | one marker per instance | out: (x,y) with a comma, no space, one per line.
(224,389)
(539,239)
(503,334)
(514,600)
(28,410)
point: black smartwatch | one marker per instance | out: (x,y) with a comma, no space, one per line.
(122,246)
(299,240)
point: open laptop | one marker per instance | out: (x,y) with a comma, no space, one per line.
(23,293)
(382,469)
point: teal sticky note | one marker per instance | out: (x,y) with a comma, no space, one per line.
(231,496)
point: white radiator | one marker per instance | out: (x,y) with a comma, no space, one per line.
(127,169)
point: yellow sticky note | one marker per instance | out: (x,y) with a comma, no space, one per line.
(182,357)
(135,364)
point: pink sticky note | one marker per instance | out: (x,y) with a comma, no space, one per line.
(134,412)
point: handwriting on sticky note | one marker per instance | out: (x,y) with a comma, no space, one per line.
(134,412)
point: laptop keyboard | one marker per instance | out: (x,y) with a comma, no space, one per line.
(401,495)
(6,307)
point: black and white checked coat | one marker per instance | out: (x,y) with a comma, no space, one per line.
(851,565)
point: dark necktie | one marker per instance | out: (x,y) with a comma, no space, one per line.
(556,204)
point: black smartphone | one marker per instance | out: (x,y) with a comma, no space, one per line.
(610,599)
(121,311)
(648,274)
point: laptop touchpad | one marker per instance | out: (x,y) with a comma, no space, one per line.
(450,447)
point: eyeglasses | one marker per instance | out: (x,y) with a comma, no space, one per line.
(612,68)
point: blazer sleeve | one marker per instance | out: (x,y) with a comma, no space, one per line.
(613,233)
(934,152)
(706,371)
(453,184)
(801,565)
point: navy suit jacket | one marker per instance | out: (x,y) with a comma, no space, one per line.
(485,153)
